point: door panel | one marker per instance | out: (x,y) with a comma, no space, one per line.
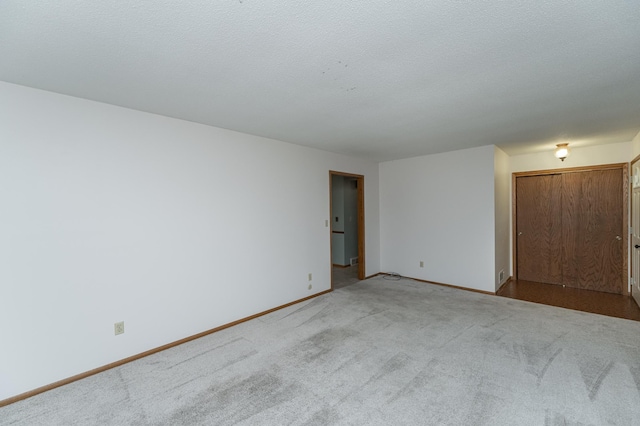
(570,229)
(635,237)
(539,232)
(592,230)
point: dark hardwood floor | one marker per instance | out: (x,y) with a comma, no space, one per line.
(613,305)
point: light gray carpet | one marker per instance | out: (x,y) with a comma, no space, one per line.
(374,353)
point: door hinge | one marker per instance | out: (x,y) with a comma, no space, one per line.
(631,230)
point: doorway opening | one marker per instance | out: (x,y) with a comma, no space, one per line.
(347,227)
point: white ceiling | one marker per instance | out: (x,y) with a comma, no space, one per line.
(374,79)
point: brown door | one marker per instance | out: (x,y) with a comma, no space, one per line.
(635,238)
(569,229)
(539,236)
(592,230)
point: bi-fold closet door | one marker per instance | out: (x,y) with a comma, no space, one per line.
(570,230)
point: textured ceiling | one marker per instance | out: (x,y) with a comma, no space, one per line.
(374,79)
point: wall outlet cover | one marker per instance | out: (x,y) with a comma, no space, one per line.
(118,328)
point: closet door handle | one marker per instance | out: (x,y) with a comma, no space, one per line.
(637,246)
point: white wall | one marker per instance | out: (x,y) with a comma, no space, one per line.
(337,202)
(110,214)
(344,219)
(337,219)
(635,147)
(350,220)
(440,209)
(579,157)
(502,181)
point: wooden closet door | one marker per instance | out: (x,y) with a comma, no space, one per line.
(539,233)
(592,230)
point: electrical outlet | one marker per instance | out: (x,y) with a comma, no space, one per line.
(310,286)
(422,264)
(118,327)
(310,276)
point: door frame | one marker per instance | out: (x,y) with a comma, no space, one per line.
(360,215)
(625,211)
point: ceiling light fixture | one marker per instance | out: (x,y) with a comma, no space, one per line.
(562,151)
